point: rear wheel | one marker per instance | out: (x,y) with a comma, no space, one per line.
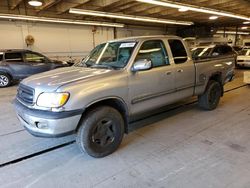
(5,80)
(210,99)
(100,132)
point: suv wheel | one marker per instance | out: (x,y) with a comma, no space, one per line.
(5,80)
(210,99)
(100,132)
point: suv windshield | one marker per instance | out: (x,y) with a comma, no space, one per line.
(113,55)
(201,52)
(245,52)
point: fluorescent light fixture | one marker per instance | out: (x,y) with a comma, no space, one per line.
(55,20)
(194,8)
(246,22)
(183,9)
(213,17)
(233,32)
(244,27)
(35,3)
(127,17)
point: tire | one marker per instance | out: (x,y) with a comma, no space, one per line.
(210,99)
(101,131)
(5,80)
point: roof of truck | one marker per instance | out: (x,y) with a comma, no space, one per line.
(137,38)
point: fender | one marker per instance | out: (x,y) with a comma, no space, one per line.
(109,98)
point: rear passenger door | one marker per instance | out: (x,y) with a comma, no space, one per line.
(184,69)
(149,89)
(19,69)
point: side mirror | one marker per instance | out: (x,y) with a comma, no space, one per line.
(142,64)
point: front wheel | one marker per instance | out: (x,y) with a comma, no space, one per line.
(100,132)
(209,100)
(5,80)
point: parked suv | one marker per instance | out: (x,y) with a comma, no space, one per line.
(19,64)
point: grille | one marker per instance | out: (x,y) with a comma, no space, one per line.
(25,94)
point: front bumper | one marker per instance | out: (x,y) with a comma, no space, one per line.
(243,63)
(47,124)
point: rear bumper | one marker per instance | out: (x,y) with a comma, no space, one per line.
(45,123)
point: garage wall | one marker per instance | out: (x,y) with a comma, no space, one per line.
(60,41)
(139,31)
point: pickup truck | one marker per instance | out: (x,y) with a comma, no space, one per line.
(117,82)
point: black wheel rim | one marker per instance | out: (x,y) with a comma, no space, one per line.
(103,134)
(4,80)
(214,95)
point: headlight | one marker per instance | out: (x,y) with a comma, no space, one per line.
(52,100)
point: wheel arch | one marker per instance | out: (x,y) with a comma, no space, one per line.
(217,76)
(6,72)
(115,102)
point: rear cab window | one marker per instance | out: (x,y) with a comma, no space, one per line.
(155,51)
(13,57)
(178,51)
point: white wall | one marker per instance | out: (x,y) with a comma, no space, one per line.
(60,41)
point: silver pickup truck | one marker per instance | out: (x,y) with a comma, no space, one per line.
(119,81)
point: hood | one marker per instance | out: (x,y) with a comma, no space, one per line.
(51,80)
(59,62)
(243,57)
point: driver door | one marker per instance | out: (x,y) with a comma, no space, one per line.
(150,89)
(37,62)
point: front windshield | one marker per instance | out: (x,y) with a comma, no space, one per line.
(113,55)
(244,52)
(201,52)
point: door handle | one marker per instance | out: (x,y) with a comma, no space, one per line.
(180,70)
(168,73)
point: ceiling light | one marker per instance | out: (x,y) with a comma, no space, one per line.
(244,27)
(127,17)
(246,22)
(213,17)
(233,32)
(35,3)
(55,20)
(171,4)
(183,9)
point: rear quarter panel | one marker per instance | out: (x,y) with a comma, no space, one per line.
(208,67)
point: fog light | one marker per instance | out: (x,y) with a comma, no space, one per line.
(42,125)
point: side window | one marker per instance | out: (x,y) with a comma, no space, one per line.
(228,50)
(13,57)
(153,50)
(34,57)
(1,56)
(178,50)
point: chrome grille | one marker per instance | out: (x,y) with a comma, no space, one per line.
(25,94)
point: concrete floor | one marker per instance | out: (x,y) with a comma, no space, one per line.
(191,148)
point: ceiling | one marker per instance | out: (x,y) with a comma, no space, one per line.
(60,9)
